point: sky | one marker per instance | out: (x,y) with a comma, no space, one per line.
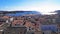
(43,6)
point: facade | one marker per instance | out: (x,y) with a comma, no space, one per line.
(49,28)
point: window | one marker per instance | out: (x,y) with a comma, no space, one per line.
(17,24)
(53,20)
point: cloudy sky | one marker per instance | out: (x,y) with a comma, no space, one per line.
(35,5)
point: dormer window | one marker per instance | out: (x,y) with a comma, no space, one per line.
(17,24)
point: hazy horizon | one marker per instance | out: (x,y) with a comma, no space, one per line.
(43,6)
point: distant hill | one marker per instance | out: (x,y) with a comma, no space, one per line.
(18,13)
